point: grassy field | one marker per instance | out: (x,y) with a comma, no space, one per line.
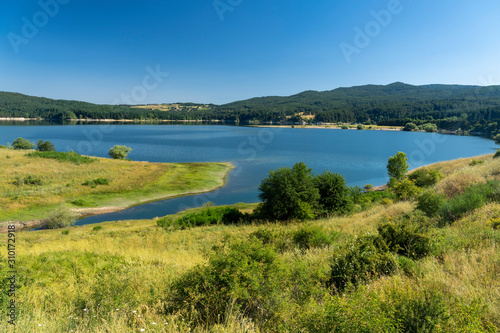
(64,183)
(118,276)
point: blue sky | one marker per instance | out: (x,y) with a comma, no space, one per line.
(226,50)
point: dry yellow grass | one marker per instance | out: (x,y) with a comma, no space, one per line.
(129,183)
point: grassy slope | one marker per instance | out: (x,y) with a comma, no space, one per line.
(129,183)
(128,266)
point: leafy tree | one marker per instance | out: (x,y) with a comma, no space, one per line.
(397,166)
(410,127)
(45,146)
(288,194)
(334,192)
(22,143)
(119,152)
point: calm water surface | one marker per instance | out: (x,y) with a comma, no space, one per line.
(361,156)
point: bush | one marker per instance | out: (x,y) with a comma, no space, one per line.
(59,218)
(288,194)
(70,157)
(410,127)
(425,178)
(45,146)
(242,276)
(344,127)
(22,143)
(474,197)
(368,187)
(365,259)
(429,127)
(497,153)
(205,217)
(475,162)
(361,127)
(28,180)
(95,182)
(334,193)
(405,190)
(97,228)
(310,236)
(405,239)
(430,203)
(119,152)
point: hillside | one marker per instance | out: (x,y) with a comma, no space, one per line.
(472,109)
(126,276)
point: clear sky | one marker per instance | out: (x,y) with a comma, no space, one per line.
(119,51)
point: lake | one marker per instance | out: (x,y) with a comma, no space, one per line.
(360,156)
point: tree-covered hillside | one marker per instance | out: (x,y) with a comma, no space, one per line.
(449,107)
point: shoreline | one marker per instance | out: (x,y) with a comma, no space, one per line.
(91,211)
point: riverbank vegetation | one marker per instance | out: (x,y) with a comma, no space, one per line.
(387,266)
(34,183)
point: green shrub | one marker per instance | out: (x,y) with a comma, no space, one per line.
(65,232)
(405,239)
(45,146)
(70,157)
(425,178)
(241,276)
(310,236)
(410,127)
(405,189)
(97,228)
(205,217)
(59,218)
(430,203)
(368,187)
(28,180)
(119,152)
(475,162)
(365,259)
(497,153)
(22,143)
(361,127)
(95,182)
(344,127)
(474,197)
(397,166)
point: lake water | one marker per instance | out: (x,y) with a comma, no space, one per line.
(360,156)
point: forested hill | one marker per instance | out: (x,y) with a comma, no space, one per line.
(470,108)
(393,104)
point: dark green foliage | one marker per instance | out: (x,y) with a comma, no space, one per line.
(28,180)
(397,166)
(94,183)
(334,193)
(476,162)
(365,259)
(65,232)
(361,127)
(344,127)
(405,239)
(410,127)
(310,236)
(474,197)
(70,157)
(244,276)
(497,153)
(97,228)
(288,194)
(45,146)
(205,217)
(22,143)
(425,178)
(429,127)
(430,203)
(119,152)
